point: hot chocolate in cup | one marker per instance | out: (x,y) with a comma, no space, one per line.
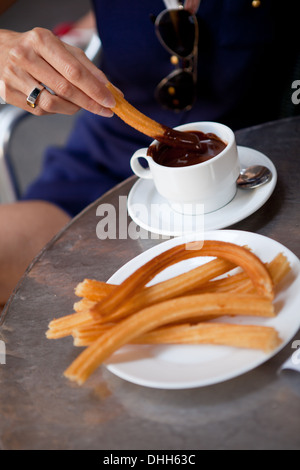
(195,188)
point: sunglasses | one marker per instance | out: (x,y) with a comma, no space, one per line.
(177,31)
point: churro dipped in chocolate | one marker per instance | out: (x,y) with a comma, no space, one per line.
(151,128)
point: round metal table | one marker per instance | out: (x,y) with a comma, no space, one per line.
(40,409)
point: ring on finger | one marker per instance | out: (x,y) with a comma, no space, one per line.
(33,96)
(48,89)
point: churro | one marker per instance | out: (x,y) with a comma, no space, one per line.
(191,282)
(93,290)
(236,254)
(178,310)
(139,121)
(174,287)
(278,268)
(162,314)
(60,327)
(227,334)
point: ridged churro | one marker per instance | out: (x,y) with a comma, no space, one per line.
(93,289)
(174,287)
(191,282)
(148,126)
(226,334)
(178,310)
(61,327)
(235,254)
(162,314)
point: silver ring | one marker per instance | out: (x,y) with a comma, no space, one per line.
(48,89)
(32,98)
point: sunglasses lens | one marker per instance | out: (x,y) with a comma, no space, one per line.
(177,30)
(177,92)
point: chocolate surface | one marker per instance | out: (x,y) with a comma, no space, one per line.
(208,146)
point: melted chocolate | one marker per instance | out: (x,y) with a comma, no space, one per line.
(174,138)
(199,149)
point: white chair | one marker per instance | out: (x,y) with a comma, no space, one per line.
(10,117)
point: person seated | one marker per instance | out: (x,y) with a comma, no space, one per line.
(242,64)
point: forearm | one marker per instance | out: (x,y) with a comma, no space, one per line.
(25,228)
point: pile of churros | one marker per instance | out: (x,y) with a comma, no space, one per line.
(186,309)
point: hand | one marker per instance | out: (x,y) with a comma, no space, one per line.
(38,56)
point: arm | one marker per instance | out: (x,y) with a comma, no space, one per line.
(26,226)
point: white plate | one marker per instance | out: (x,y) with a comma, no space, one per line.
(152,212)
(189,366)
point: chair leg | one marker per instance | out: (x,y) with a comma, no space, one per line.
(9,118)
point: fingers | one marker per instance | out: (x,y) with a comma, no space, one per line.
(54,104)
(39,57)
(42,71)
(21,85)
(19,100)
(83,59)
(80,55)
(75,72)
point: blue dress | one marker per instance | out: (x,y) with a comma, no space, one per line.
(245,61)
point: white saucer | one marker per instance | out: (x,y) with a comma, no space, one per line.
(152,212)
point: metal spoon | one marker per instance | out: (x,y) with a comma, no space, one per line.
(253,176)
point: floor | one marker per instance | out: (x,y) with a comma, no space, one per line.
(33,135)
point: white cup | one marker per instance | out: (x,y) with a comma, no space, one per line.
(200,188)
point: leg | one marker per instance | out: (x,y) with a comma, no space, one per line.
(26,227)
